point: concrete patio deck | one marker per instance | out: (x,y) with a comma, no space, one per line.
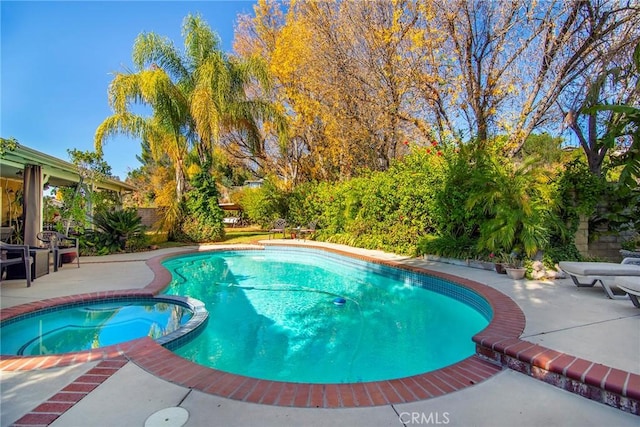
(578,321)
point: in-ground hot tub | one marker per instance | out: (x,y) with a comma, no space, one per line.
(87,325)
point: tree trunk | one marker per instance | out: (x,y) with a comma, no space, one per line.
(180,180)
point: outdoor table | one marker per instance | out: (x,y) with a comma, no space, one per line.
(39,267)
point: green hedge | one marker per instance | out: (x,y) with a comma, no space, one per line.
(457,203)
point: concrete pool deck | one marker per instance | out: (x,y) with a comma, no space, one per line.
(578,321)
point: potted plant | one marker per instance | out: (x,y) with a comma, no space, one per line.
(513,266)
(69,257)
(498,263)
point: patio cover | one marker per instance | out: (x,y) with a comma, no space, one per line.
(55,172)
(36,169)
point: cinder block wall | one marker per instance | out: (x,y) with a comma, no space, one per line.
(582,236)
(606,247)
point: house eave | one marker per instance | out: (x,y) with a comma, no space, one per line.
(57,172)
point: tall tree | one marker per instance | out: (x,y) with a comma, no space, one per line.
(609,119)
(197,97)
(345,74)
(583,40)
(508,64)
(164,129)
(356,79)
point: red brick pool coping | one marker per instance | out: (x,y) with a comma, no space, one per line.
(497,346)
(48,411)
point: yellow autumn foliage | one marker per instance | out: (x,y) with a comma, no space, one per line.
(356,78)
(291,53)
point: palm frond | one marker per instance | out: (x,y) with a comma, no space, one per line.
(150,49)
(124,89)
(199,40)
(206,117)
(122,123)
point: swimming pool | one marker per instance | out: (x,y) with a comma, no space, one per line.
(276,315)
(99,323)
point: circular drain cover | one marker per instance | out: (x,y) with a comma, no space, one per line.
(168,417)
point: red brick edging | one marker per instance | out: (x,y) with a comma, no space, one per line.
(604,384)
(167,365)
(47,412)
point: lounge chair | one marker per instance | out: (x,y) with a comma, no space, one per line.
(631,285)
(59,244)
(602,272)
(16,255)
(278,226)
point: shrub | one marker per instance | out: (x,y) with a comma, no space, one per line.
(264,204)
(451,216)
(561,252)
(449,246)
(115,231)
(304,206)
(381,210)
(194,229)
(518,203)
(579,192)
(203,219)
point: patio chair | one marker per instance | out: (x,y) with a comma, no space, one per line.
(309,230)
(278,226)
(631,285)
(58,245)
(6,233)
(231,221)
(15,255)
(602,272)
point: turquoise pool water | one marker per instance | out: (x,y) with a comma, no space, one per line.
(273,315)
(91,325)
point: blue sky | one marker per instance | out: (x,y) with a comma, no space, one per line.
(58,58)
